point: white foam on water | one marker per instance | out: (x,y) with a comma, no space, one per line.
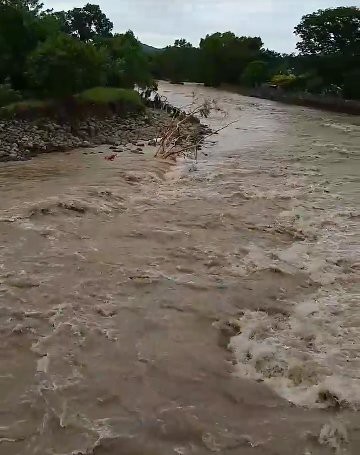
(309,358)
(309,355)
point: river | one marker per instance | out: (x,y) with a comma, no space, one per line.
(155,309)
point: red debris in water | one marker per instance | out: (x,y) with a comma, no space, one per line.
(110,157)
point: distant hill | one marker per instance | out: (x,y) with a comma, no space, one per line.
(150,49)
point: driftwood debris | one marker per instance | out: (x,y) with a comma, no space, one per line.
(183,135)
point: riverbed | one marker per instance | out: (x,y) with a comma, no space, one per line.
(153,308)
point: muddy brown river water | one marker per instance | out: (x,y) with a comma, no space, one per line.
(210,307)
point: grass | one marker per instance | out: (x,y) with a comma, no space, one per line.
(106,95)
(126,100)
(19,107)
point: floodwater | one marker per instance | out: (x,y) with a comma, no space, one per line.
(197,308)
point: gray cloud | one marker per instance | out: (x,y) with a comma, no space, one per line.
(160,22)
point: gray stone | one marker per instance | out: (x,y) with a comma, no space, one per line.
(92,131)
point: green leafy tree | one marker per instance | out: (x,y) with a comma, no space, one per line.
(20,32)
(255,73)
(62,66)
(128,63)
(179,62)
(87,23)
(330,31)
(34,6)
(182,43)
(225,56)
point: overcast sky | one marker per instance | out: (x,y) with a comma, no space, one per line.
(160,22)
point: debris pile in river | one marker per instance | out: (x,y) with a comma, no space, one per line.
(184,134)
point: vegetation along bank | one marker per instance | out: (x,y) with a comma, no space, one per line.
(66,80)
(325,71)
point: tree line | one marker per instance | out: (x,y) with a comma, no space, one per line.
(55,54)
(328,59)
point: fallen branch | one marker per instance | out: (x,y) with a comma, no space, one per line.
(181,137)
(195,146)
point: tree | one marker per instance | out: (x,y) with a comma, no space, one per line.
(330,31)
(20,32)
(225,56)
(128,63)
(178,63)
(62,66)
(182,43)
(34,6)
(85,23)
(255,73)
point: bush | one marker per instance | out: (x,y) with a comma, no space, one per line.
(285,81)
(63,66)
(255,73)
(26,109)
(107,95)
(8,95)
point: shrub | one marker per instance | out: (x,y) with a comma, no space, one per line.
(62,66)
(8,95)
(255,73)
(26,109)
(285,81)
(107,95)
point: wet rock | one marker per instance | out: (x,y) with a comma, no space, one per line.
(106,310)
(92,131)
(23,283)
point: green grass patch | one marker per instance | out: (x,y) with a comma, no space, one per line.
(95,101)
(106,95)
(23,107)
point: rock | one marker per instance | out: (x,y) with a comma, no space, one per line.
(140,144)
(106,310)
(92,131)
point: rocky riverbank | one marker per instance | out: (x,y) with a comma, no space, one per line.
(22,139)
